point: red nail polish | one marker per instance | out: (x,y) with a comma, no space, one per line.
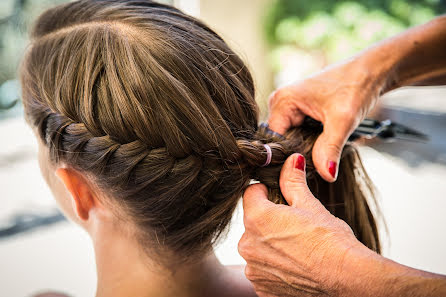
(332,168)
(300,163)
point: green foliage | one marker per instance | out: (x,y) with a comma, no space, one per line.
(341,28)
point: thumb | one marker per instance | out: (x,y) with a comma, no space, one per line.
(328,148)
(293,182)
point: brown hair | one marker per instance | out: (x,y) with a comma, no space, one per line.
(161,113)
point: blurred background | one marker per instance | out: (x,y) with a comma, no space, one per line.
(282,41)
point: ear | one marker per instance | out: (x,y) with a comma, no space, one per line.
(81,191)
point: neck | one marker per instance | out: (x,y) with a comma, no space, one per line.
(124,270)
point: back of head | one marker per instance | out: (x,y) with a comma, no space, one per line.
(160,112)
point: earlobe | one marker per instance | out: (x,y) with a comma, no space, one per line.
(80,190)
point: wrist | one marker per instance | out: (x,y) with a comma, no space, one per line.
(381,62)
(410,57)
(365,273)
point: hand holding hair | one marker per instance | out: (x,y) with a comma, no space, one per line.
(293,250)
(303,250)
(341,96)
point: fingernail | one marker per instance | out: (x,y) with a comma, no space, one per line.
(332,168)
(300,163)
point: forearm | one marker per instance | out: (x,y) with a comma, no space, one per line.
(368,274)
(414,57)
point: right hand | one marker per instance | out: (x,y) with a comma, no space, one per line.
(300,249)
(340,97)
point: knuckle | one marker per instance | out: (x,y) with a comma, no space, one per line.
(335,147)
(242,244)
(295,180)
(246,249)
(295,184)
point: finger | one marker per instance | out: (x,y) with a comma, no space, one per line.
(255,198)
(293,182)
(328,148)
(281,121)
(284,113)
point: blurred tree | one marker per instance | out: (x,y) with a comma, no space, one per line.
(341,28)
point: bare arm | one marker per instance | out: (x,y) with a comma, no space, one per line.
(415,57)
(374,275)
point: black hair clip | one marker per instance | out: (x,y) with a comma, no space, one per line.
(387,130)
(369,129)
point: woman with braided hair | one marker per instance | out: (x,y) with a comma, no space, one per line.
(148,135)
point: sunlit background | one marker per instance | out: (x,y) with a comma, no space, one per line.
(282,41)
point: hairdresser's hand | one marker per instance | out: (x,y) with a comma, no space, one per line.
(339,97)
(303,250)
(299,250)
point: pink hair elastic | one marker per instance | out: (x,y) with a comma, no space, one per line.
(269,155)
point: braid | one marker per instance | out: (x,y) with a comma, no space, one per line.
(99,155)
